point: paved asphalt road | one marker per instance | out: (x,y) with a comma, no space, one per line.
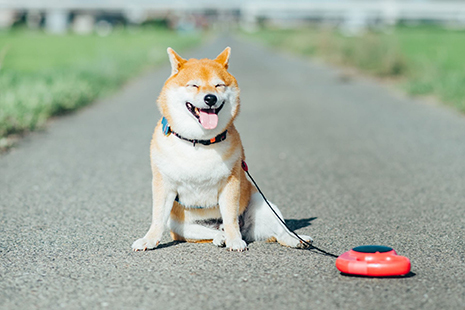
(349,162)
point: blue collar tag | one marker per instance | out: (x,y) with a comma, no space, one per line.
(165,126)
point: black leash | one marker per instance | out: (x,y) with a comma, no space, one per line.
(310,246)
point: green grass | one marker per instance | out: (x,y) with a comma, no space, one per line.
(44,75)
(425,60)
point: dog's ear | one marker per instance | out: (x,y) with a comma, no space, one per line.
(175,60)
(223,58)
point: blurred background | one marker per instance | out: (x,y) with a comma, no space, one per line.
(59,55)
(102,16)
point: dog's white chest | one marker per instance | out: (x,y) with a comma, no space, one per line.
(197,173)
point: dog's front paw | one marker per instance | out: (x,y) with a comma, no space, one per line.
(236,245)
(144,244)
(219,240)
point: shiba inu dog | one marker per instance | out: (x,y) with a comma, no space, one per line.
(200,191)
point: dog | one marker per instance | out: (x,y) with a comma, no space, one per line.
(200,191)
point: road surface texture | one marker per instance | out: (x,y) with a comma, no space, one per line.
(349,162)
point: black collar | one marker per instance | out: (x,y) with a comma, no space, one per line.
(167,131)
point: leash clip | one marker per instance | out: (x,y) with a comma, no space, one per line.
(244,166)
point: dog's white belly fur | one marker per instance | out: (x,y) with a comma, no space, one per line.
(197,174)
(197,195)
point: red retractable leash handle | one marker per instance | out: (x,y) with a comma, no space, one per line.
(373,261)
(367,260)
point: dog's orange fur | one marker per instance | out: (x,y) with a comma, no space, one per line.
(201,69)
(209,180)
(237,187)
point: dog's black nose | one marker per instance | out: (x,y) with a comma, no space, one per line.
(210,100)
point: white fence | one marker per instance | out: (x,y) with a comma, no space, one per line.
(389,11)
(350,12)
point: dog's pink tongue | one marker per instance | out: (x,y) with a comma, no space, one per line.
(208,120)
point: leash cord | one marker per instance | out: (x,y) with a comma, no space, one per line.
(311,246)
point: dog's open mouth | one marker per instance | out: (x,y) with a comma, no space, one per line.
(208,118)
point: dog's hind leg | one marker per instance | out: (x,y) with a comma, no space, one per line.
(193,232)
(260,223)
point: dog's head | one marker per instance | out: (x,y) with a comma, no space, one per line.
(201,98)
